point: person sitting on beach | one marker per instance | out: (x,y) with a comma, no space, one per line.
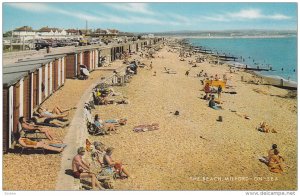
(55,146)
(98,153)
(212,103)
(206,90)
(117,165)
(187,72)
(275,163)
(31,127)
(216,77)
(270,153)
(264,127)
(107,126)
(82,170)
(219,91)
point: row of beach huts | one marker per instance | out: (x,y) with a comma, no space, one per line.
(29,82)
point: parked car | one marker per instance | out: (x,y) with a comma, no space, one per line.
(41,44)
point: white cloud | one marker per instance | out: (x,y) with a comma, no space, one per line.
(218,18)
(31,7)
(141,8)
(179,18)
(279,17)
(245,14)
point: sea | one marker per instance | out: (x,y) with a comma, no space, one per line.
(279,53)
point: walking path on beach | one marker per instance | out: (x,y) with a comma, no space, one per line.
(45,171)
(193,146)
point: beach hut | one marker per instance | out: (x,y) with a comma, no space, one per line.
(14,86)
(88,57)
(105,53)
(53,69)
(72,64)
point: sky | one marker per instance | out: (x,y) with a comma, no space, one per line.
(152,17)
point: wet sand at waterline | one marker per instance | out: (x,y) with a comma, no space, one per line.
(194,145)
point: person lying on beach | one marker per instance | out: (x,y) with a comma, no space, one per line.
(82,170)
(117,166)
(57,110)
(212,104)
(55,146)
(264,127)
(107,126)
(152,127)
(46,121)
(112,92)
(31,127)
(117,122)
(55,114)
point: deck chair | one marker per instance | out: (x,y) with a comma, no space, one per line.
(95,99)
(94,130)
(29,148)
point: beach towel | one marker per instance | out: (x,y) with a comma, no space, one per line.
(144,128)
(58,145)
(216,83)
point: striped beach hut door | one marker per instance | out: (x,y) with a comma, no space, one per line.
(46,80)
(76,67)
(97,58)
(31,94)
(91,60)
(63,71)
(40,86)
(81,58)
(21,110)
(21,99)
(50,75)
(11,114)
(59,72)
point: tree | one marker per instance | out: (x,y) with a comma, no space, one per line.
(7,34)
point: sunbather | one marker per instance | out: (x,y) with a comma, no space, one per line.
(31,127)
(117,165)
(270,153)
(212,103)
(46,121)
(26,142)
(107,126)
(276,162)
(57,110)
(264,127)
(98,153)
(82,170)
(54,114)
(121,121)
